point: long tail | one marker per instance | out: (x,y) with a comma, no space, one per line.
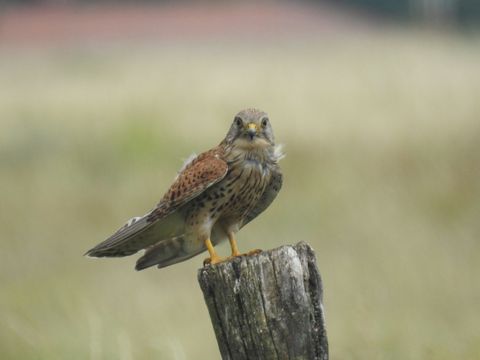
(176,249)
(139,233)
(166,252)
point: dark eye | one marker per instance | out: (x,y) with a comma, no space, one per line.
(238,121)
(264,122)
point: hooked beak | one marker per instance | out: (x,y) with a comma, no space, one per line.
(252,130)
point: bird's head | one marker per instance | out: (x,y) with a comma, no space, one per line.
(251,129)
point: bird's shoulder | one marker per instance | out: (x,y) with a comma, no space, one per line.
(200,170)
(214,157)
(196,176)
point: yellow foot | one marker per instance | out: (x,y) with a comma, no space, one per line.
(253,252)
(213,260)
(235,254)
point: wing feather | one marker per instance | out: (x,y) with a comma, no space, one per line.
(111,246)
(202,172)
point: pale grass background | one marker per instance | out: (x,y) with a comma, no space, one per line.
(382,178)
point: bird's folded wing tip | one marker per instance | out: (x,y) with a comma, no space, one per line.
(93,253)
(140,267)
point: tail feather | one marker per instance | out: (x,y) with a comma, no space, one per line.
(176,249)
(167,252)
(139,233)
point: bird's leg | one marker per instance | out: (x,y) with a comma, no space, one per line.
(214,258)
(233,244)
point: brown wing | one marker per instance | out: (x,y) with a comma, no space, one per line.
(204,171)
(201,173)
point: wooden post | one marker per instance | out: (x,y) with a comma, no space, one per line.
(267,306)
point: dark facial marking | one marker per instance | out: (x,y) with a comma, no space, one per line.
(238,121)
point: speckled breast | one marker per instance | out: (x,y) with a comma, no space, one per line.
(232,198)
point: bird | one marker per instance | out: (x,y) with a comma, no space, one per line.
(213,196)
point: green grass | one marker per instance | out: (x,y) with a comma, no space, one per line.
(382,177)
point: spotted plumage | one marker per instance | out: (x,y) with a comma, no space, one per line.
(213,196)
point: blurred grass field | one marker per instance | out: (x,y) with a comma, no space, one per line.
(382,178)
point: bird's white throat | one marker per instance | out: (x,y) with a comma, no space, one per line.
(259,154)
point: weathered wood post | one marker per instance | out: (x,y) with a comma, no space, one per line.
(267,306)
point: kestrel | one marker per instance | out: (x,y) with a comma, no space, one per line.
(213,196)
